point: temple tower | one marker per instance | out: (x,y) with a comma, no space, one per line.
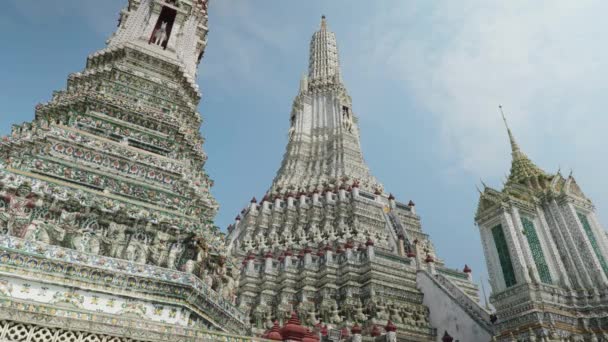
(328,242)
(546,255)
(324,135)
(105,211)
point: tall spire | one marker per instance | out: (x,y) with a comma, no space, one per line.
(324,145)
(522,168)
(324,61)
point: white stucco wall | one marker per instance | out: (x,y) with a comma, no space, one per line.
(447,315)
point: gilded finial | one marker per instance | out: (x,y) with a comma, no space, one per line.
(483,183)
(522,167)
(504,118)
(478,190)
(323,22)
(514,146)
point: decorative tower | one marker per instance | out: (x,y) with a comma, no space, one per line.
(546,255)
(105,211)
(328,242)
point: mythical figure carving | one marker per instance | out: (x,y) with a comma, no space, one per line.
(230,285)
(347,119)
(196,266)
(35,232)
(86,239)
(137,249)
(17,210)
(159,250)
(116,237)
(335,315)
(359,315)
(273,237)
(269,322)
(177,249)
(394,314)
(381,313)
(311,318)
(44,232)
(160,34)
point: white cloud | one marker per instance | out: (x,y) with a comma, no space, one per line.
(545,61)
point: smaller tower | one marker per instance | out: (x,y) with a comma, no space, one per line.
(174,28)
(543,242)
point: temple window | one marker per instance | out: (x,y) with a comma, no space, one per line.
(537,251)
(503,256)
(596,248)
(164,26)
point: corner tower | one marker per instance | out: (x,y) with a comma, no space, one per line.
(105,210)
(327,241)
(546,255)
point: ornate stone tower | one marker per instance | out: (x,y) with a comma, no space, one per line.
(328,242)
(546,254)
(105,210)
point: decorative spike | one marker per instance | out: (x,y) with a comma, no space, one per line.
(522,168)
(483,183)
(514,146)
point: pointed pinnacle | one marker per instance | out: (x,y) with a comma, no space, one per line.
(521,166)
(323,22)
(514,146)
(483,183)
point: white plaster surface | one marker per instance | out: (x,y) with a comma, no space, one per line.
(447,315)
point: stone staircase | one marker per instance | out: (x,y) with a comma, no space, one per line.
(445,300)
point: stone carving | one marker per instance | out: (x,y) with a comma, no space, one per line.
(177,249)
(335,315)
(160,34)
(360,317)
(34,232)
(230,285)
(137,248)
(197,265)
(116,238)
(347,119)
(311,318)
(85,238)
(16,209)
(159,249)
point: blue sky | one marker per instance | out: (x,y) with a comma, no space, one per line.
(426,79)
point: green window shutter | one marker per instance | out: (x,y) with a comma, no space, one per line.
(594,245)
(537,251)
(504,256)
